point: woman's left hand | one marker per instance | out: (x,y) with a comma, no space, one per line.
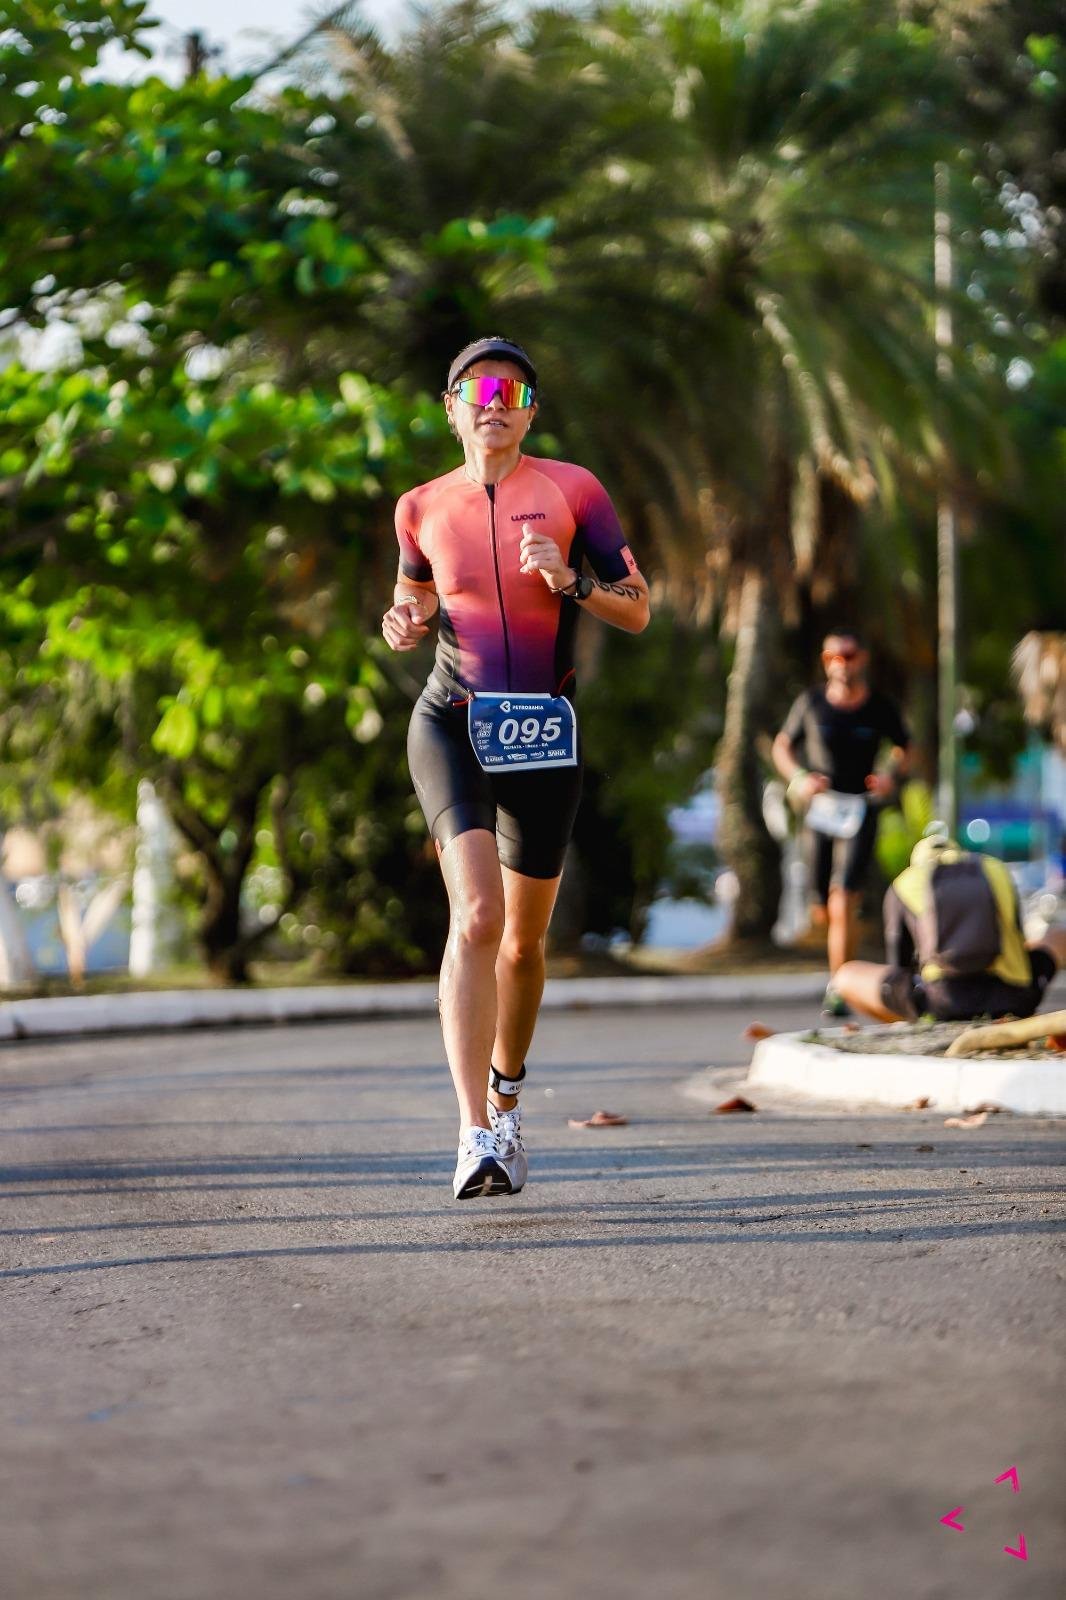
(538,553)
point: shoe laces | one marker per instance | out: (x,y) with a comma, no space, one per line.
(479,1142)
(508,1128)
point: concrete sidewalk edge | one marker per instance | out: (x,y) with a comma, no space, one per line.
(786,1061)
(205,1008)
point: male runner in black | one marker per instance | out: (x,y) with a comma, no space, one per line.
(830,742)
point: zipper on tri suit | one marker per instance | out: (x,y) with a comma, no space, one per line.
(490,490)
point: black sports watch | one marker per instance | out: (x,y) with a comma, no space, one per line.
(581,590)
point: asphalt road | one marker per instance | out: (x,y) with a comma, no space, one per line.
(252,1348)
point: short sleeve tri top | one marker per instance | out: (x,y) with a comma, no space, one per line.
(843,744)
(499,628)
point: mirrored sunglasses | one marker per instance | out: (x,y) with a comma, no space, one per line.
(514,394)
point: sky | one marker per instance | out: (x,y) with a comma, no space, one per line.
(249,31)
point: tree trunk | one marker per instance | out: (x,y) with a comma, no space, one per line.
(220,928)
(154,932)
(16,963)
(220,936)
(743,838)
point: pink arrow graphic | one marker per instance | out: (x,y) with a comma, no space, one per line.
(949,1520)
(1012,1474)
(1021,1553)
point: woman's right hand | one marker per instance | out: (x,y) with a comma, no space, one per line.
(404,625)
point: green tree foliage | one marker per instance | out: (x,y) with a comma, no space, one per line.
(712,224)
(741,207)
(1011,55)
(714,189)
(192,537)
(648,727)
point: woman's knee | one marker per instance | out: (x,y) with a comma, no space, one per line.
(523,950)
(478,920)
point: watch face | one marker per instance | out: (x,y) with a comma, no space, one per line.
(584,587)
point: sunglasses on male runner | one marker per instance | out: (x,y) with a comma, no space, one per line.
(515,394)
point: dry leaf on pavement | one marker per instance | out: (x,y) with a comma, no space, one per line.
(758,1030)
(599,1119)
(966,1122)
(918,1105)
(738,1103)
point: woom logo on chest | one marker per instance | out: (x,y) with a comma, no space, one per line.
(530,516)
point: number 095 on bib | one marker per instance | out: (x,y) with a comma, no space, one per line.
(522,732)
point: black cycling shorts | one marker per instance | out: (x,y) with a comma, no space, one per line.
(981,994)
(531,813)
(841,863)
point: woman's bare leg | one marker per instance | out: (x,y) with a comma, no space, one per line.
(471,870)
(529,904)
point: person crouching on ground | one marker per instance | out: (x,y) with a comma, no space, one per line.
(954,944)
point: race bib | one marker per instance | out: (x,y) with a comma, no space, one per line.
(839,815)
(522,732)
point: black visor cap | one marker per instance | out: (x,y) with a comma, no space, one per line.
(491,350)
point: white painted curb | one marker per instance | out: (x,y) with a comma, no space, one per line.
(1031,1088)
(192,1008)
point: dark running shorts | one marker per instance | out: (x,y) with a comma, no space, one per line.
(531,813)
(840,862)
(961,999)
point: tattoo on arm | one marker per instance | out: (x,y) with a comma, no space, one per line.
(624,589)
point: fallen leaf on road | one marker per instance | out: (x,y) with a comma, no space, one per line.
(966,1122)
(599,1119)
(918,1105)
(985,1105)
(758,1030)
(925,1147)
(738,1103)
(864,1147)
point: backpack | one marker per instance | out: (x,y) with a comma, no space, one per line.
(958,927)
(966,916)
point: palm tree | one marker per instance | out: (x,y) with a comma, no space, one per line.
(773,312)
(451,154)
(736,327)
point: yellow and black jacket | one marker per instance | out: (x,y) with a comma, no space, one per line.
(953,914)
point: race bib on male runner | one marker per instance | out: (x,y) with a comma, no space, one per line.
(839,815)
(522,732)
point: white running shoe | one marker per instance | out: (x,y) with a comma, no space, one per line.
(479,1169)
(507,1126)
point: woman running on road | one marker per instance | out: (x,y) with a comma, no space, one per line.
(496,551)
